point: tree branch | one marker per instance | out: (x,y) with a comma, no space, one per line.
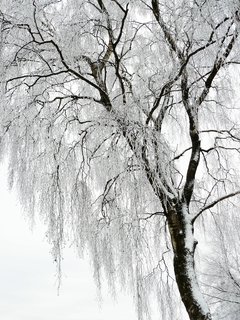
(167,34)
(217,66)
(212,204)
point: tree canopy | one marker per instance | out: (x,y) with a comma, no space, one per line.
(119,120)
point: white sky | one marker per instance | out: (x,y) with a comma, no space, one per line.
(28,288)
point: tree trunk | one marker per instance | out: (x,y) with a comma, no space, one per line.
(184,244)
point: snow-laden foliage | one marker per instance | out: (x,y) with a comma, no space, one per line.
(108,110)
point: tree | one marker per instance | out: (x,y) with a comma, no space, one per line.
(110,107)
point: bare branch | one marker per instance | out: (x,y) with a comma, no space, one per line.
(212,204)
(181,154)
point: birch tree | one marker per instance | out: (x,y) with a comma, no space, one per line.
(119,120)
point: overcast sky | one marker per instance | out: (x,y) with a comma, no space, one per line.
(28,288)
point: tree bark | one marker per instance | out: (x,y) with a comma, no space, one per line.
(184,245)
